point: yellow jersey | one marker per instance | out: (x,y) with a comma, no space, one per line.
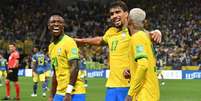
(144,87)
(118,56)
(60,53)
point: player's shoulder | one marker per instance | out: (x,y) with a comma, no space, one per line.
(139,34)
(16,53)
(111,30)
(68,38)
(50,45)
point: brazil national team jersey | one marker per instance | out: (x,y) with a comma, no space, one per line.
(40,59)
(141,48)
(118,49)
(3,64)
(60,53)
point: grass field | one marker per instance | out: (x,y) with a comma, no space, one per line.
(173,90)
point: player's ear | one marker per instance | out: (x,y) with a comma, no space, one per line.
(48,25)
(64,25)
(126,14)
(129,21)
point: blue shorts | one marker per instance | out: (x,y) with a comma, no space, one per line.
(75,97)
(116,94)
(40,69)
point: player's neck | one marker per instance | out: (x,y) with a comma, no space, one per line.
(133,29)
(120,28)
(57,38)
(13,51)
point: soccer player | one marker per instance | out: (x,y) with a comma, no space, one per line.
(160,66)
(3,68)
(13,64)
(39,61)
(117,37)
(144,83)
(64,56)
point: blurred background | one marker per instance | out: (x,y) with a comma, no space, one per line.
(25,21)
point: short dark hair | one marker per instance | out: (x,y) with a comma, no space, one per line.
(12,43)
(55,12)
(120,4)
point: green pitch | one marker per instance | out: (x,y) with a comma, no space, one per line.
(173,90)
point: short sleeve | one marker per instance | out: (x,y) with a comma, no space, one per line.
(72,50)
(139,46)
(105,37)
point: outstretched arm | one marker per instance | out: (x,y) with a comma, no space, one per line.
(92,41)
(155,36)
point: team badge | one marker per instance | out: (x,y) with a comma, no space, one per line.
(123,35)
(139,48)
(125,30)
(59,51)
(74,51)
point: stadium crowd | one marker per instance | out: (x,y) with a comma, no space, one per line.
(179,21)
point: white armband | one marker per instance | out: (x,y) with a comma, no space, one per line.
(69,89)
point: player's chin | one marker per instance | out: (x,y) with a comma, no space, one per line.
(55,33)
(118,25)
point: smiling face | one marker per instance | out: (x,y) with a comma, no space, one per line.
(56,25)
(118,16)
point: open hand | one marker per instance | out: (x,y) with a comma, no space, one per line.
(156,36)
(127,74)
(128,98)
(67,97)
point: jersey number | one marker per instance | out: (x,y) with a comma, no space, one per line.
(114,45)
(41,60)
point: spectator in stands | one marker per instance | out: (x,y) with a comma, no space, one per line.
(178,20)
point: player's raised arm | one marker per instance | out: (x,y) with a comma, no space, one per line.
(92,41)
(155,35)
